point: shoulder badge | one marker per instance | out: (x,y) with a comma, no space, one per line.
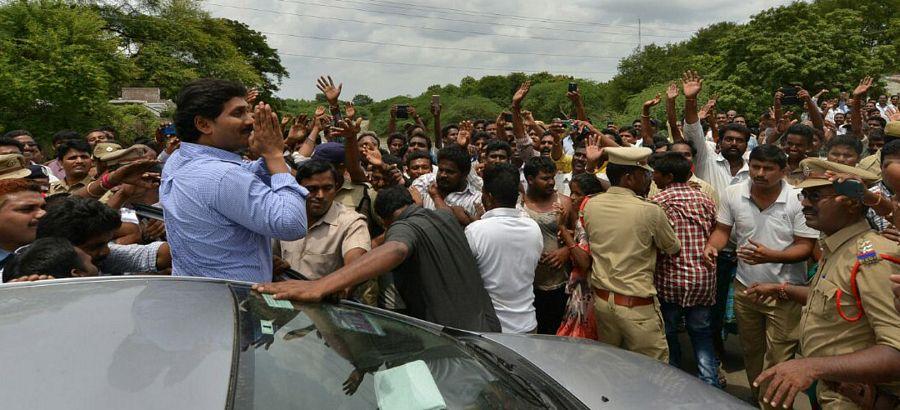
(865,253)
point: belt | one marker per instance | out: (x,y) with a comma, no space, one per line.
(622,300)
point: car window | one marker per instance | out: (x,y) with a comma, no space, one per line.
(342,357)
(117,344)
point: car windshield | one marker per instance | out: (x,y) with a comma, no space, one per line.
(343,357)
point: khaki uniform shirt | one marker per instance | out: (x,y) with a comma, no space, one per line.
(327,241)
(60,186)
(625,231)
(705,187)
(872,163)
(823,332)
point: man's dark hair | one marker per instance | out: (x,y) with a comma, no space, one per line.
(391,199)
(802,130)
(844,141)
(314,167)
(64,135)
(498,145)
(481,135)
(206,98)
(447,128)
(78,220)
(535,165)
(16,133)
(458,155)
(878,118)
(629,129)
(69,145)
(675,164)
(390,159)
(479,121)
(589,183)
(112,130)
(769,153)
(6,141)
(420,135)
(735,127)
(502,182)
(689,143)
(615,172)
(878,134)
(396,136)
(46,256)
(414,155)
(891,148)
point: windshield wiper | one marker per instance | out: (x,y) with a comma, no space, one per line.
(510,369)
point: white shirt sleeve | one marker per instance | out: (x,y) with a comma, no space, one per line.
(798,220)
(724,215)
(694,133)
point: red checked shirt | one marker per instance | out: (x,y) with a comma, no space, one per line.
(684,278)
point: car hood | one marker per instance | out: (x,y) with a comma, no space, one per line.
(605,377)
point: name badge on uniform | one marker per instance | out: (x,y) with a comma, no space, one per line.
(866,252)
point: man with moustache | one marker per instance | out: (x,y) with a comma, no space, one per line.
(337,235)
(763,215)
(850,330)
(75,158)
(449,188)
(220,212)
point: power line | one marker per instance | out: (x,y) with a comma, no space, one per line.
(386,3)
(423,27)
(380,43)
(358,60)
(471,21)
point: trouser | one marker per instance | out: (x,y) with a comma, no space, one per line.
(768,330)
(549,309)
(638,329)
(699,327)
(726,265)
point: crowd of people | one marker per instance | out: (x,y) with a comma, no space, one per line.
(489,225)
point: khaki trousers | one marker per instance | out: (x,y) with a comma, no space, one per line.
(769,333)
(637,329)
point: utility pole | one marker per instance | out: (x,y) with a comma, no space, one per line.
(640,43)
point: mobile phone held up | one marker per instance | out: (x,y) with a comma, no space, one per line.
(790,96)
(403,111)
(850,188)
(573,87)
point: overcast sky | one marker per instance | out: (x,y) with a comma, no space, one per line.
(433,39)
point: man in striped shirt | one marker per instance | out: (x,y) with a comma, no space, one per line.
(686,286)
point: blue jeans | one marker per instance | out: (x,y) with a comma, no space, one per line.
(699,327)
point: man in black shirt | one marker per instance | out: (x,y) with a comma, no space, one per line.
(433,266)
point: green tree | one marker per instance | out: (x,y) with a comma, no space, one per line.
(58,67)
(362,99)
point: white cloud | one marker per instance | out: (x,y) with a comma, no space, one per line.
(606,28)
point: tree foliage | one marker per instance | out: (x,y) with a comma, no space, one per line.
(62,61)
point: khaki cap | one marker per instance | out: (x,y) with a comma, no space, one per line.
(105,148)
(633,156)
(892,129)
(13,166)
(123,156)
(814,170)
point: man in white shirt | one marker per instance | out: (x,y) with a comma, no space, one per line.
(449,188)
(507,246)
(765,216)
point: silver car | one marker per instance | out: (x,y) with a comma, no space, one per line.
(186,343)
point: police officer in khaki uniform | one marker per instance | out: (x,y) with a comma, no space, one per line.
(849,330)
(13,166)
(625,231)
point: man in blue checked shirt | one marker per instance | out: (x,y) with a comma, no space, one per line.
(220,211)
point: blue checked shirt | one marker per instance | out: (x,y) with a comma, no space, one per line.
(221,213)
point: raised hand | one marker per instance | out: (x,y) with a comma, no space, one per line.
(863,87)
(350,110)
(528,117)
(672,91)
(804,95)
(326,85)
(691,83)
(593,150)
(710,105)
(466,126)
(652,102)
(285,119)
(435,109)
(320,111)
(465,133)
(520,94)
(252,95)
(785,122)
(347,128)
(394,111)
(136,173)
(298,130)
(412,112)
(574,96)
(266,140)
(373,157)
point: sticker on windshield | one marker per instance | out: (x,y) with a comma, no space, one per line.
(277,303)
(355,321)
(267,327)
